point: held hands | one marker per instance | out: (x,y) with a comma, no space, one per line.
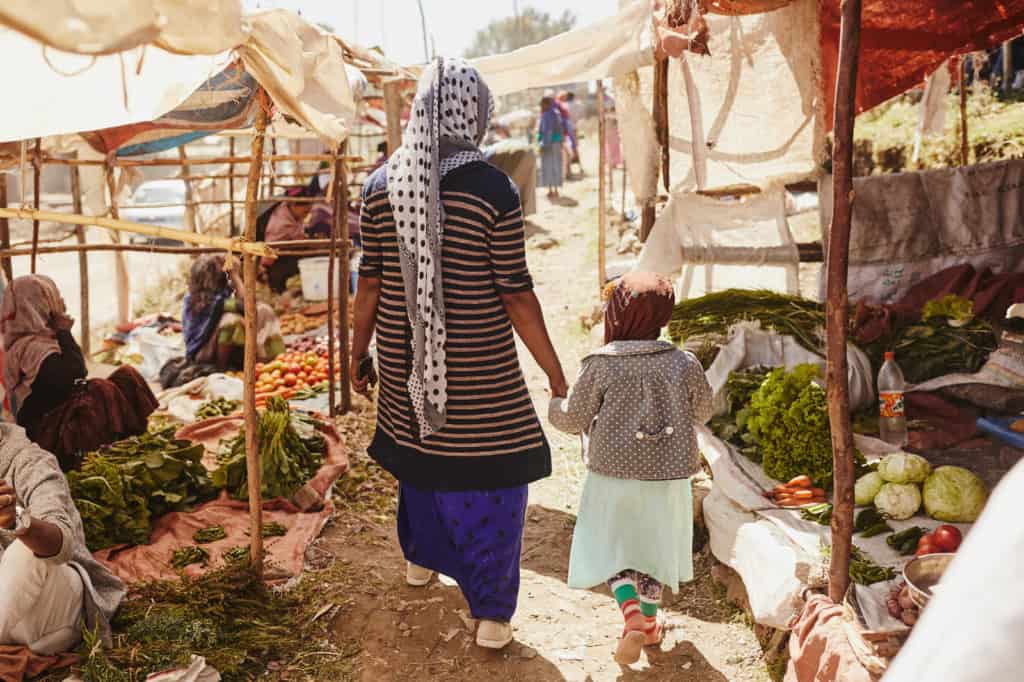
(559,387)
(360,384)
(8,501)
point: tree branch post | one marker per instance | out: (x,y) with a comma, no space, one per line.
(602,209)
(37,169)
(124,285)
(341,227)
(837,300)
(83,263)
(5,230)
(252,441)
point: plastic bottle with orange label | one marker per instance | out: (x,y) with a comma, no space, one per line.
(892,420)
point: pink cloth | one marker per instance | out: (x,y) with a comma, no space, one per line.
(612,144)
(283,226)
(30,317)
(304,516)
(819,650)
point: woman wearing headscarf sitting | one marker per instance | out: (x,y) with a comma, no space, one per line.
(213,319)
(443,281)
(288,223)
(45,378)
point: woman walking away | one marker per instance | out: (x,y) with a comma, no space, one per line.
(638,400)
(443,281)
(550,135)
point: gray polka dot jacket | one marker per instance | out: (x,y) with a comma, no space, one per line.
(636,402)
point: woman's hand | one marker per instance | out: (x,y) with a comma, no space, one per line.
(8,502)
(360,385)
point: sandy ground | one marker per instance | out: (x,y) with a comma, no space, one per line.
(561,634)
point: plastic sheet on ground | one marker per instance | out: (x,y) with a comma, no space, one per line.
(172,531)
(183,401)
(751,346)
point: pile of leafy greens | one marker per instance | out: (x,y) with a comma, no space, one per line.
(291,452)
(121,488)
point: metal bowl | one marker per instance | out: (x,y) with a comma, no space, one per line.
(923,574)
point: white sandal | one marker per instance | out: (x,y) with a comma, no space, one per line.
(417,576)
(491,634)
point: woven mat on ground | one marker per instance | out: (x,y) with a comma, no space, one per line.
(304,516)
(18,663)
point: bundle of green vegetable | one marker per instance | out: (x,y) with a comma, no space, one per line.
(716,313)
(291,451)
(205,536)
(732,427)
(188,555)
(934,348)
(118,490)
(789,423)
(218,407)
(863,569)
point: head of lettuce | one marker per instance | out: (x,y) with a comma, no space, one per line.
(954,494)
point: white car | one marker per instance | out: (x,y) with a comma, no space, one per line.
(157,202)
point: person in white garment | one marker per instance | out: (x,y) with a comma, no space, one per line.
(973,628)
(49,582)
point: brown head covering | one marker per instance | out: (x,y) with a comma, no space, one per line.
(30,317)
(638,307)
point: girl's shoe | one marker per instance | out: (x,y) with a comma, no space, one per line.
(630,646)
(491,634)
(417,576)
(654,636)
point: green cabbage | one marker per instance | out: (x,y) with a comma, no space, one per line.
(866,488)
(903,467)
(955,495)
(898,500)
(951,307)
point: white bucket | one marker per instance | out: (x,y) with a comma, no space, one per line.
(314,278)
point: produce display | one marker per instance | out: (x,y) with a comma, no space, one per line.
(945,538)
(290,373)
(901,606)
(186,556)
(934,348)
(205,536)
(309,344)
(274,530)
(291,451)
(869,523)
(798,492)
(121,488)
(903,482)
(864,570)
(237,555)
(818,513)
(218,407)
(954,494)
(788,422)
(297,323)
(906,541)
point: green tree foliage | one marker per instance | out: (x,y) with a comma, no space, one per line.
(532,26)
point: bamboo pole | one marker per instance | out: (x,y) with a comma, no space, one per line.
(273,169)
(602,209)
(965,150)
(190,198)
(37,168)
(319,248)
(1007,65)
(124,285)
(252,443)
(116,225)
(197,161)
(662,122)
(5,230)
(222,202)
(331,376)
(231,187)
(83,264)
(836,304)
(341,220)
(393,114)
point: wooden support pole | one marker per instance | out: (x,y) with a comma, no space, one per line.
(190,196)
(123,283)
(625,181)
(221,243)
(5,230)
(393,114)
(272,179)
(661,119)
(196,161)
(331,307)
(252,442)
(1007,65)
(965,149)
(341,225)
(319,247)
(85,340)
(231,188)
(37,168)
(837,317)
(602,208)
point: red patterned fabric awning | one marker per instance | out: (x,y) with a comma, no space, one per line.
(902,41)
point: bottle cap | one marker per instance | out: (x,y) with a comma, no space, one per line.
(889,355)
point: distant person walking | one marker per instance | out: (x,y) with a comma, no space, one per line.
(551,136)
(443,281)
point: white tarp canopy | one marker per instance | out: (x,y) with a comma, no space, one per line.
(301,67)
(611,47)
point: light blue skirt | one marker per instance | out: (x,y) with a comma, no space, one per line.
(551,165)
(645,526)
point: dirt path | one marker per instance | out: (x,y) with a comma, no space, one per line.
(561,634)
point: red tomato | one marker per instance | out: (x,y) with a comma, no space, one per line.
(927,546)
(947,538)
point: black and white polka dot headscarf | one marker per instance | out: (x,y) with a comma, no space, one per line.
(449,119)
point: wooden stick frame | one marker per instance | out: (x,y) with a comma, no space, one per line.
(837,300)
(602,212)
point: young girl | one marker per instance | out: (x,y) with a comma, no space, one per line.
(550,134)
(636,401)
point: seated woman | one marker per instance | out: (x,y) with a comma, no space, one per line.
(213,318)
(287,223)
(45,377)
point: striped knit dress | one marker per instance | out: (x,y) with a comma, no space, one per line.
(463,489)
